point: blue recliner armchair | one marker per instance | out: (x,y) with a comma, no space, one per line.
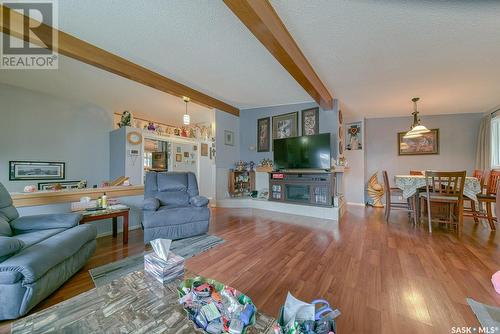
(37,255)
(172,206)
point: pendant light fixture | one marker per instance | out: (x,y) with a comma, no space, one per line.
(416,129)
(186,119)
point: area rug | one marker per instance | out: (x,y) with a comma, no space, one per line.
(135,303)
(488,316)
(186,248)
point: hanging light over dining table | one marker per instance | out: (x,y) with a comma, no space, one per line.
(416,129)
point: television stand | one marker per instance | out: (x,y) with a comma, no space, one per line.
(307,187)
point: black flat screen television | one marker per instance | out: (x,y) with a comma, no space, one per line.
(306,152)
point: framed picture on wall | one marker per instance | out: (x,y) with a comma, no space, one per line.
(263,134)
(286,125)
(62,185)
(178,157)
(427,143)
(354,136)
(228,138)
(204,150)
(310,122)
(36,170)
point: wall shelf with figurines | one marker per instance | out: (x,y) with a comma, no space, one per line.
(202,132)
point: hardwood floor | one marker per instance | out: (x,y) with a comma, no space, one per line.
(385,278)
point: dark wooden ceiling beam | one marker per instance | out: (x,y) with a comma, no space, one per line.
(262,20)
(78,49)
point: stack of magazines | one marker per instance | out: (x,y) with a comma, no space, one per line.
(164,271)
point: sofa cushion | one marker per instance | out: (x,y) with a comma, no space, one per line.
(33,237)
(175,216)
(46,221)
(199,201)
(9,246)
(5,230)
(33,262)
(172,181)
(173,198)
(7,210)
(150,204)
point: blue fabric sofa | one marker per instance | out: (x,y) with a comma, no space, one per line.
(172,206)
(37,255)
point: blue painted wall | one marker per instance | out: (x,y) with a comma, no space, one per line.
(36,126)
(328,122)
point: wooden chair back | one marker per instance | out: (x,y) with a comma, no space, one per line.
(387,188)
(497,208)
(491,187)
(445,184)
(480,175)
(416,172)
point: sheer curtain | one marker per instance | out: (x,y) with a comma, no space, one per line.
(495,142)
(483,152)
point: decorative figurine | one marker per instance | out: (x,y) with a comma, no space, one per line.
(126,119)
(30,189)
(151,126)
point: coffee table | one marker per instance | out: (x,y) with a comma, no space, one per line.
(134,303)
(113,213)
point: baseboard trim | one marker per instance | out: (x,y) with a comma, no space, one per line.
(356,204)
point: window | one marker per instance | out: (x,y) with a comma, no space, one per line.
(495,142)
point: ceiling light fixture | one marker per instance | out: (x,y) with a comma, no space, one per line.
(416,129)
(186,119)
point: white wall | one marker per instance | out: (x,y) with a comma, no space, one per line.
(226,155)
(35,126)
(354,178)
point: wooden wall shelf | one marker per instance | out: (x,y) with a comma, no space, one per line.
(74,195)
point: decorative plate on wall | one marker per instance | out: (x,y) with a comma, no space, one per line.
(134,137)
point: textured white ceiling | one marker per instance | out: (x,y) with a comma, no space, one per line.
(75,80)
(373,55)
(199,43)
(376,55)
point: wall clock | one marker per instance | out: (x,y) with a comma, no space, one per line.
(134,137)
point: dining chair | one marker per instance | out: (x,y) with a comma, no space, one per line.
(446,188)
(416,172)
(488,199)
(389,204)
(478,174)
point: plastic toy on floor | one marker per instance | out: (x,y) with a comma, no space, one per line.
(495,279)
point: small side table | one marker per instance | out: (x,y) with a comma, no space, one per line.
(90,216)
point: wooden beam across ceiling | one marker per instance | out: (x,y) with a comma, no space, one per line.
(262,20)
(78,49)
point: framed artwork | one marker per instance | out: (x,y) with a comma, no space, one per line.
(228,138)
(178,149)
(36,170)
(310,122)
(341,119)
(195,147)
(186,154)
(263,133)
(64,185)
(354,136)
(204,150)
(286,125)
(427,143)
(178,157)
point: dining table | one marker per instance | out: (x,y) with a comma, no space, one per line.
(412,185)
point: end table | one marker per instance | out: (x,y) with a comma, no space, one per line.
(90,216)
